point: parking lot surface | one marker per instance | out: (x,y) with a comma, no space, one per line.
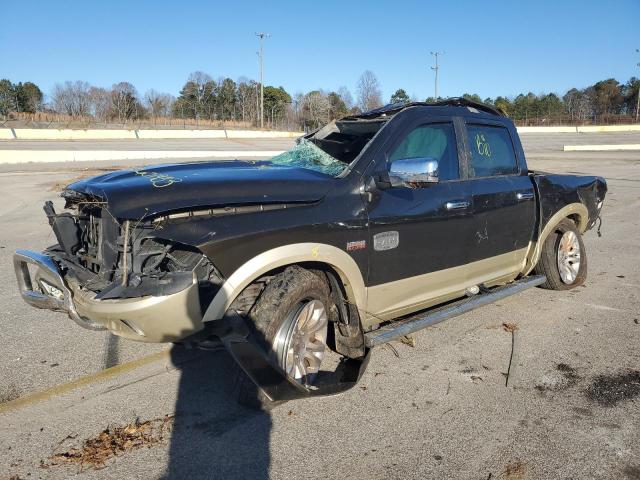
(438,409)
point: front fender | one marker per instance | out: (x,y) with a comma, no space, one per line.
(339,260)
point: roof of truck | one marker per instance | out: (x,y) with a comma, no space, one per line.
(393,108)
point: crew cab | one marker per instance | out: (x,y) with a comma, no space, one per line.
(370,228)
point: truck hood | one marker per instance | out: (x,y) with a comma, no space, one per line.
(134,194)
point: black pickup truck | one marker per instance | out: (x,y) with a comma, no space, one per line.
(368,229)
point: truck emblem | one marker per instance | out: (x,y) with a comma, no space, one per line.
(386,241)
(357,245)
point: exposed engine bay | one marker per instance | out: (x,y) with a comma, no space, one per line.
(123,259)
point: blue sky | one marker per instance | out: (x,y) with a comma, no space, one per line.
(492,47)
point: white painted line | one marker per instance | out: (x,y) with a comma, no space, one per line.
(601,148)
(26,156)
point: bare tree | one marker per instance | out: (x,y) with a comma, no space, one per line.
(316,109)
(200,93)
(72,98)
(100,100)
(345,96)
(159,104)
(124,101)
(369,94)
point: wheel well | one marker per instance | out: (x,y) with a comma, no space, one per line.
(578,220)
(247,298)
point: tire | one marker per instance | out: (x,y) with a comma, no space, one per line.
(563,258)
(275,313)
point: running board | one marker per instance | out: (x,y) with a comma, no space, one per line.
(431,317)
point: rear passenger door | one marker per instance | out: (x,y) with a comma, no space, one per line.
(503,197)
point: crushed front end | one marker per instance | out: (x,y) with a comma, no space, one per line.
(115,274)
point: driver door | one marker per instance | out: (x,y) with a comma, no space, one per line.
(420,235)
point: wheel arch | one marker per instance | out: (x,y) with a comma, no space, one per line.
(575,212)
(329,256)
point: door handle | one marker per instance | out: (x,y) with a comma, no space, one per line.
(524,196)
(456,205)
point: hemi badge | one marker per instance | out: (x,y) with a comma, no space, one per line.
(357,245)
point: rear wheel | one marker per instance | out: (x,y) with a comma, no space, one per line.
(563,258)
(290,319)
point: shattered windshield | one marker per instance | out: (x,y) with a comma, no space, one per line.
(308,155)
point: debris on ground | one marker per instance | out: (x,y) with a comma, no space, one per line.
(393,349)
(609,390)
(113,442)
(510,328)
(408,340)
(514,471)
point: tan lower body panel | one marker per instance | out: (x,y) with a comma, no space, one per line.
(146,319)
(394,299)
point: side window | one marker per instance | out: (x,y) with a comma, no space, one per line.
(436,141)
(491,151)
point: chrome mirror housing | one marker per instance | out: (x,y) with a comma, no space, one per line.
(412,172)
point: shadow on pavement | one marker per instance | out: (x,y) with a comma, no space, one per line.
(213,436)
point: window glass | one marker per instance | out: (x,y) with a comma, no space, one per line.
(491,151)
(434,141)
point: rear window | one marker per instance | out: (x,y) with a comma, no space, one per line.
(492,151)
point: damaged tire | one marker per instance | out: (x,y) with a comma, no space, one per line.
(563,258)
(290,319)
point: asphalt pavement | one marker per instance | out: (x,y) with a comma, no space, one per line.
(438,409)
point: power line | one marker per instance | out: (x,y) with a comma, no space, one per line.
(262,36)
(436,68)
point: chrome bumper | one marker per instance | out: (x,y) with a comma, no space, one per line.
(157,319)
(50,273)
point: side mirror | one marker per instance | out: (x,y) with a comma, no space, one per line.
(411,172)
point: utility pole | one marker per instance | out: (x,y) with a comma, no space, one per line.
(638,92)
(262,37)
(436,68)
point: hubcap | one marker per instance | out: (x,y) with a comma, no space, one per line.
(569,257)
(301,341)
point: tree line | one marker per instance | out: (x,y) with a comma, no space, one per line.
(203,98)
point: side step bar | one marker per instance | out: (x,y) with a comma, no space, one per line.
(431,317)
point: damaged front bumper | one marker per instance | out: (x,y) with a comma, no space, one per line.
(163,318)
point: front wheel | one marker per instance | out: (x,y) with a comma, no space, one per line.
(290,319)
(563,258)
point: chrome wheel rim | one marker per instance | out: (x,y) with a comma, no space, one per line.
(569,257)
(301,341)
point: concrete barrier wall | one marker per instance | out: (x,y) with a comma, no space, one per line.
(547,129)
(608,128)
(6,134)
(581,129)
(96,134)
(601,148)
(46,156)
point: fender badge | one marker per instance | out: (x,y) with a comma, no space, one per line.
(386,241)
(357,245)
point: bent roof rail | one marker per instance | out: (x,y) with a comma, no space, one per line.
(394,108)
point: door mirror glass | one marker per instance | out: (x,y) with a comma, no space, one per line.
(412,172)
